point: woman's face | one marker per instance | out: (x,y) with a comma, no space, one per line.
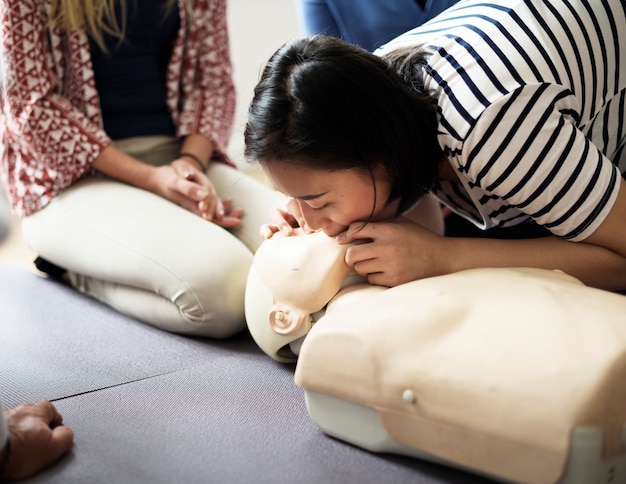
(330,200)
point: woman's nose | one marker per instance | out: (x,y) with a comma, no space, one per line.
(315,220)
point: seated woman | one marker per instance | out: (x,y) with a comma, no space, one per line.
(115,120)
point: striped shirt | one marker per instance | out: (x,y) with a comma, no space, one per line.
(531,98)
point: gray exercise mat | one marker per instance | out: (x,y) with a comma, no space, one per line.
(151,407)
(233,420)
(57,342)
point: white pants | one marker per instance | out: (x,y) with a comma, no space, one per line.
(150,258)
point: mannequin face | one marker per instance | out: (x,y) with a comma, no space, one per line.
(330,200)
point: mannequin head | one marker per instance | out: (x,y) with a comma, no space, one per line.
(291,281)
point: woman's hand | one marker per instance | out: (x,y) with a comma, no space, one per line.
(38,438)
(183,183)
(401,251)
(285,220)
(394,252)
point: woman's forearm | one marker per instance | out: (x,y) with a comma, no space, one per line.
(593,265)
(198,147)
(118,165)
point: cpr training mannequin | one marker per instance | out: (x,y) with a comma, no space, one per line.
(516,374)
(291,281)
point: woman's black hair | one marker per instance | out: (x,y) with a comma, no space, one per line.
(328,104)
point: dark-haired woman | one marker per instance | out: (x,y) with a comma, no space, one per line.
(510,113)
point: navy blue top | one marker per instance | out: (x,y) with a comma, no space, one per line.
(131,76)
(367,23)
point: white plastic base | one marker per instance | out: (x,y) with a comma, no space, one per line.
(361,425)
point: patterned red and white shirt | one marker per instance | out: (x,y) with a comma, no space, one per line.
(51,123)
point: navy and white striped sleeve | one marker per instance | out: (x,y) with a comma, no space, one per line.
(526,150)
